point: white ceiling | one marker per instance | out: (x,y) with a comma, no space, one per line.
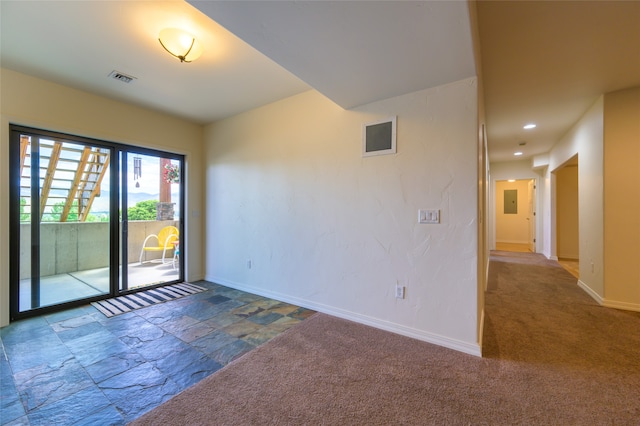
(544,62)
(79,43)
(547,62)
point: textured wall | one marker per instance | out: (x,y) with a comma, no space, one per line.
(288,190)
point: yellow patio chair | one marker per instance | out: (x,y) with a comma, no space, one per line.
(166,237)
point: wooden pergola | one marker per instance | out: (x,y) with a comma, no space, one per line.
(68,173)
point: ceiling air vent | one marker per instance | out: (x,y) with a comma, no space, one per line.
(117,75)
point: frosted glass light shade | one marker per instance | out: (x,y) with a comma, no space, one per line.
(180,44)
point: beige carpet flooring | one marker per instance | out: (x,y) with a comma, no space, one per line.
(552,356)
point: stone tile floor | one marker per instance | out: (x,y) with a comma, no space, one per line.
(78,367)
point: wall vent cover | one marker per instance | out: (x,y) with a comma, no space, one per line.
(120,76)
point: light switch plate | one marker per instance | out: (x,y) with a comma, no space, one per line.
(428,216)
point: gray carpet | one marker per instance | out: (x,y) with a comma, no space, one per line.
(552,357)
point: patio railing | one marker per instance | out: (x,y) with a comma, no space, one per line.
(77,246)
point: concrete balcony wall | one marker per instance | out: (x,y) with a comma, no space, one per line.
(78,246)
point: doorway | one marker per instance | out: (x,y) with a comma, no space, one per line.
(516,215)
(74,229)
(567,216)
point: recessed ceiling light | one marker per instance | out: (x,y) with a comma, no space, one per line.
(511,180)
(517,153)
(529,126)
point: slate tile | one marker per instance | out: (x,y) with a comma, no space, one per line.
(21,421)
(228,353)
(179,324)
(261,336)
(88,354)
(108,416)
(301,313)
(264,318)
(75,327)
(159,348)
(66,411)
(146,332)
(194,332)
(241,328)
(217,299)
(11,409)
(36,352)
(49,383)
(283,308)
(136,391)
(97,337)
(224,319)
(25,330)
(113,365)
(247,310)
(124,324)
(187,367)
(70,313)
(213,341)
(203,311)
(284,323)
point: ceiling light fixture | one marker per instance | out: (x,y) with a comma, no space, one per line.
(518,153)
(529,126)
(180,44)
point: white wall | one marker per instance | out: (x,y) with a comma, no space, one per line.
(585,139)
(41,104)
(288,189)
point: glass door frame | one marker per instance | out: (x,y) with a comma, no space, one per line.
(123,152)
(117,240)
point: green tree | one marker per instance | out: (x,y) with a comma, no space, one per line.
(56,212)
(143,210)
(24,217)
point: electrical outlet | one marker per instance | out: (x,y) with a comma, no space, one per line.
(399,291)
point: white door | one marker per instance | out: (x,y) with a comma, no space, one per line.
(531,218)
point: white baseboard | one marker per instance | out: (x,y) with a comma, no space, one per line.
(625,306)
(481,330)
(553,258)
(591,292)
(458,345)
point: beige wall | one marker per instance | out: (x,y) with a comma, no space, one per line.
(622,198)
(567,217)
(288,189)
(512,228)
(38,103)
(585,139)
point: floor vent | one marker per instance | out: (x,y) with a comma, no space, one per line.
(117,75)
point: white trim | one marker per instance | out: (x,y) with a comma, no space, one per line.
(614,304)
(590,292)
(436,339)
(553,258)
(392,150)
(622,305)
(481,331)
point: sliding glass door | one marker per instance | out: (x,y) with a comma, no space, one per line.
(152,219)
(89,220)
(64,244)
